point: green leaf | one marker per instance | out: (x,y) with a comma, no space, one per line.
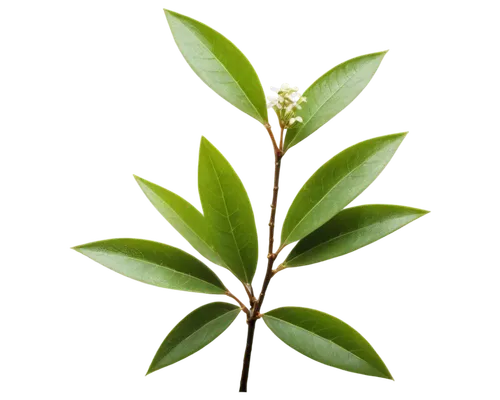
(219,64)
(194,332)
(350,230)
(186,219)
(228,212)
(333,92)
(154,263)
(325,339)
(339,181)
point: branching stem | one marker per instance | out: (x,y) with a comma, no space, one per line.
(271,256)
(243,307)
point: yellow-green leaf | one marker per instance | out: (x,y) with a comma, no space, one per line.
(199,329)
(220,64)
(185,218)
(325,339)
(332,92)
(228,212)
(350,230)
(152,263)
(339,181)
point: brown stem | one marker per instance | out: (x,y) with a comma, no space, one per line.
(271,227)
(255,310)
(248,353)
(281,267)
(271,135)
(243,307)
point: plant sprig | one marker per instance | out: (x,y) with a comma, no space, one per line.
(225,233)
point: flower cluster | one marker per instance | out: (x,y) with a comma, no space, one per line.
(285,102)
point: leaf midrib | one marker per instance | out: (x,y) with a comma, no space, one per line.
(338,237)
(227,217)
(199,329)
(223,66)
(321,337)
(188,226)
(320,107)
(165,267)
(332,188)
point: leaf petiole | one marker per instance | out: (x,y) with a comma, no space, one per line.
(242,306)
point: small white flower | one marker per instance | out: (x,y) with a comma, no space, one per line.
(285,87)
(299,119)
(272,101)
(292,120)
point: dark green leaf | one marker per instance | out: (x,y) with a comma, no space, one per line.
(219,64)
(333,92)
(339,181)
(154,263)
(325,339)
(186,219)
(194,332)
(350,230)
(228,212)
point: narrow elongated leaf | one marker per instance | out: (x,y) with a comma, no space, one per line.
(219,64)
(154,263)
(185,218)
(339,181)
(350,230)
(325,339)
(194,332)
(333,92)
(228,212)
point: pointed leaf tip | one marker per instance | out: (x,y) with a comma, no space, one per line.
(351,229)
(195,331)
(325,339)
(155,264)
(228,212)
(335,184)
(333,92)
(220,64)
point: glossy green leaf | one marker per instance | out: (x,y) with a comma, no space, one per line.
(325,339)
(228,212)
(219,64)
(333,92)
(185,218)
(339,181)
(350,230)
(193,333)
(154,263)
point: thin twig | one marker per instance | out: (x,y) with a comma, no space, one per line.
(271,135)
(281,267)
(255,310)
(272,222)
(238,300)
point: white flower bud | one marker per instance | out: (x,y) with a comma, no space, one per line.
(285,87)
(272,101)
